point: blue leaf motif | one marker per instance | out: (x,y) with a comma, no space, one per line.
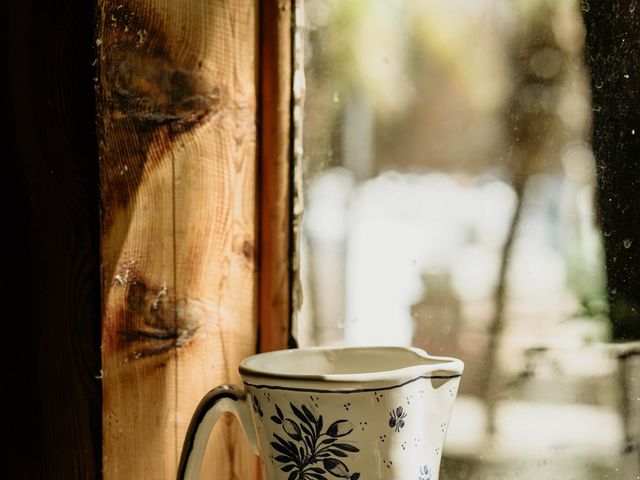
(335,468)
(292,429)
(313,454)
(425,473)
(396,418)
(340,428)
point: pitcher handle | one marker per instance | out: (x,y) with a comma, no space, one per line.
(225,398)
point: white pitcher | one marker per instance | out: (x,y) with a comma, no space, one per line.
(336,413)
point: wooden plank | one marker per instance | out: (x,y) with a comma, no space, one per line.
(275,169)
(50,240)
(177,112)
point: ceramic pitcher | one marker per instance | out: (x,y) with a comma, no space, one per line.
(336,413)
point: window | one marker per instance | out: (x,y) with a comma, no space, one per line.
(450,203)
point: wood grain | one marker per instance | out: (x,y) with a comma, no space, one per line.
(275,169)
(177,115)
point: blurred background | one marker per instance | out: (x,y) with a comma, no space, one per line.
(449,186)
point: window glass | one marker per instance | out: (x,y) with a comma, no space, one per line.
(449,189)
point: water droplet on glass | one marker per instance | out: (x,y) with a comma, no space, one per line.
(599,83)
(632,7)
(585,6)
(627,242)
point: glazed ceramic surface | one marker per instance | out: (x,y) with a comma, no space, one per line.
(326,413)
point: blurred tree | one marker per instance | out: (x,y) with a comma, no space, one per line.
(536,132)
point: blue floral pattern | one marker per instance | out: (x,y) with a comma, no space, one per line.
(306,451)
(425,473)
(396,418)
(257,408)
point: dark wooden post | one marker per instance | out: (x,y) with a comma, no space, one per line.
(50,276)
(613,56)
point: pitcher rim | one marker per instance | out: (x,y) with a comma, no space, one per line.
(432,366)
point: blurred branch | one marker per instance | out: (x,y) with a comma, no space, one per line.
(496,327)
(531,122)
